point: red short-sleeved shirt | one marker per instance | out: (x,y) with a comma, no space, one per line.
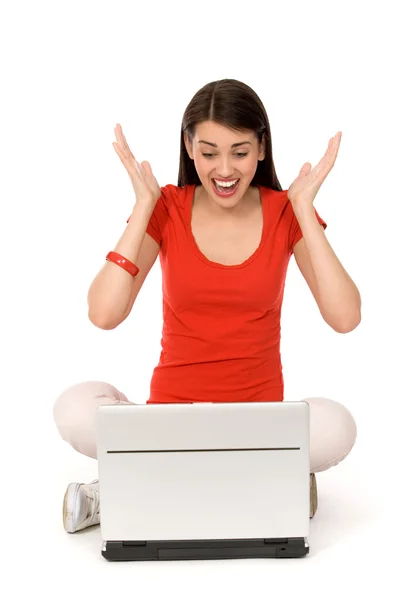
(221,332)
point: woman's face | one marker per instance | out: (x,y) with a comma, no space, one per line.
(222,159)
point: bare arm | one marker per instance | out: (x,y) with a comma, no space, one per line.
(113,290)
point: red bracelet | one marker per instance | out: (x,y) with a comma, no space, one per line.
(123,262)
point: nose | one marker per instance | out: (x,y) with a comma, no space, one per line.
(224,168)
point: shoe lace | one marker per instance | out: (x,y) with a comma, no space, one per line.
(93,495)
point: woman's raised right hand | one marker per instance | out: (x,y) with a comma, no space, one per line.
(144,183)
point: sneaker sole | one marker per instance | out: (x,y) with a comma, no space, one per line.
(313,495)
(68,506)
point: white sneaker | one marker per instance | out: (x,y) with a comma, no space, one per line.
(81,506)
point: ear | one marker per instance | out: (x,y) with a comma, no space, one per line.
(188,145)
(263,144)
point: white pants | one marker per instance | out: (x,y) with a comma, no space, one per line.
(333,430)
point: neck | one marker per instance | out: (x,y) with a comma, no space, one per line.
(241,208)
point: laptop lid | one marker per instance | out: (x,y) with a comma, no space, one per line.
(202,471)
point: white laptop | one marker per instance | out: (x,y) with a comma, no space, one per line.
(204,480)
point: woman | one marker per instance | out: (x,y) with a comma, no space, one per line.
(225,235)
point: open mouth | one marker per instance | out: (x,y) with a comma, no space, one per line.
(225,190)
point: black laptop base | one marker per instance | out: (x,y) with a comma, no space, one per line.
(205,549)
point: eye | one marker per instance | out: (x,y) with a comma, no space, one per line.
(239,154)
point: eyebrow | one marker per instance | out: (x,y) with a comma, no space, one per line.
(215,145)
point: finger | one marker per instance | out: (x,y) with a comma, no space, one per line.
(118,133)
(117,130)
(124,142)
(128,152)
(119,152)
(147,167)
(122,155)
(335,141)
(126,156)
(140,169)
(118,148)
(332,146)
(305,169)
(120,137)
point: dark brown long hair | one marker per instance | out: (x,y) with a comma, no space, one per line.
(235,105)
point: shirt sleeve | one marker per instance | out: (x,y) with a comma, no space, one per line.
(158,218)
(295,233)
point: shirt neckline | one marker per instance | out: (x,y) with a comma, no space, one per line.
(188,223)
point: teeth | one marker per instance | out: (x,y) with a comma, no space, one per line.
(225,184)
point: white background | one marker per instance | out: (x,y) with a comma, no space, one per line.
(70,71)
